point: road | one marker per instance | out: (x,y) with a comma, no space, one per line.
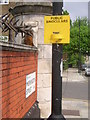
(75,90)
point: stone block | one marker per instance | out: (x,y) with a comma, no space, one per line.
(35,39)
(47,51)
(18,39)
(39,81)
(41,36)
(47,78)
(33,18)
(44,94)
(20,20)
(45,66)
(40,53)
(41,22)
(44,80)
(34,2)
(45,109)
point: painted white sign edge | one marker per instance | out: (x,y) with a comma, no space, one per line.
(30,83)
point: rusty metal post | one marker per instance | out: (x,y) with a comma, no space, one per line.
(10,36)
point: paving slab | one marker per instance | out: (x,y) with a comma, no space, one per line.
(72,75)
(75,108)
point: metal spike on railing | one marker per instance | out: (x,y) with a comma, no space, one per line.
(16,22)
(8,24)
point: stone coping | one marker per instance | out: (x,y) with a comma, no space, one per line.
(31,9)
(10,46)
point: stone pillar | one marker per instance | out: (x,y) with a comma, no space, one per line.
(35,13)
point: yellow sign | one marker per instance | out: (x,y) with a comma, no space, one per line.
(57,29)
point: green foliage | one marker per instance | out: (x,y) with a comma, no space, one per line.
(73,59)
(65,65)
(78,44)
(65,12)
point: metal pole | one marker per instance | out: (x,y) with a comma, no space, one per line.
(79,60)
(56,72)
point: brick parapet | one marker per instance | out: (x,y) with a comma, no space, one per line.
(17,62)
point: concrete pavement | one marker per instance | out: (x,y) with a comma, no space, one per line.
(72,75)
(74,108)
(71,107)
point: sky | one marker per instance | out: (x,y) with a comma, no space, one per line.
(76,9)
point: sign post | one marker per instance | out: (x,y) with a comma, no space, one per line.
(57,32)
(56,73)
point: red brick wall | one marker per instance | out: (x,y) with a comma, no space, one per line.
(14,67)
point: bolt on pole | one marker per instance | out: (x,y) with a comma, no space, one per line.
(57,51)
